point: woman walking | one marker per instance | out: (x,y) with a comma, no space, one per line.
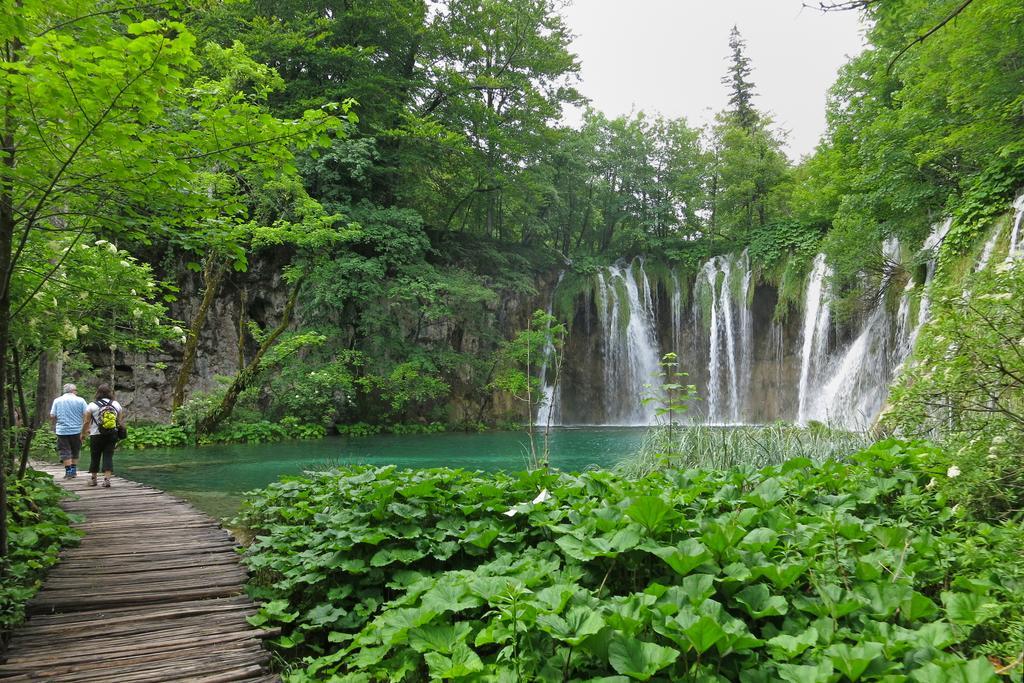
(103,418)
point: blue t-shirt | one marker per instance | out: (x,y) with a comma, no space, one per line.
(69,411)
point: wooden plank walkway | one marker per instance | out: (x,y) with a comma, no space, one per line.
(152,593)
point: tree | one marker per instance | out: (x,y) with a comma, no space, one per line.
(100,136)
(498,73)
(741,89)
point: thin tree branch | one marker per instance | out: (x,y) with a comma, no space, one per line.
(100,13)
(924,36)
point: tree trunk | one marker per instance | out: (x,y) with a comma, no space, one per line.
(213,272)
(243,297)
(27,420)
(7,220)
(51,367)
(244,379)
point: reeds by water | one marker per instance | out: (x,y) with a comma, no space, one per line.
(711,447)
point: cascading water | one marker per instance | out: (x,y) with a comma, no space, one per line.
(1016,244)
(730,329)
(746,363)
(930,248)
(631,353)
(814,337)
(549,413)
(676,312)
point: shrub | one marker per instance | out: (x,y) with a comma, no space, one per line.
(38,530)
(805,571)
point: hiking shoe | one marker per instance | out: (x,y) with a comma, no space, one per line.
(106,483)
(92,482)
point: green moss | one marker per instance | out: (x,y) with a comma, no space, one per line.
(623,296)
(569,290)
(705,299)
(791,286)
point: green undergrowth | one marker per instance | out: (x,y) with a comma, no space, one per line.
(807,571)
(366,429)
(38,530)
(708,447)
(263,431)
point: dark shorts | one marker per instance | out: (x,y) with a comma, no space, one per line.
(69,446)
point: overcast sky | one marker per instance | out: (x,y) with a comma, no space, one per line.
(668,57)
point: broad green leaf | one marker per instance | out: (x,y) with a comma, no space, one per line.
(785,646)
(762,539)
(443,638)
(977,670)
(760,603)
(969,609)
(702,632)
(387,556)
(917,606)
(650,512)
(884,598)
(685,557)
(767,494)
(698,587)
(803,673)
(782,575)
(463,662)
(578,624)
(852,660)
(638,659)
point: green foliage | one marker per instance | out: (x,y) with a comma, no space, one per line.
(966,381)
(262,431)
(771,244)
(671,399)
(39,529)
(520,359)
(797,572)
(155,436)
(984,198)
(706,447)
(358,429)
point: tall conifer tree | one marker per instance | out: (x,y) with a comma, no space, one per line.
(738,80)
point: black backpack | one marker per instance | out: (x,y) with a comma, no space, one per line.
(106,418)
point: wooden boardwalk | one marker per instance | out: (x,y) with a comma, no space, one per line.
(152,593)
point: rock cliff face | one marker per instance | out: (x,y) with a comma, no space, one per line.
(744,364)
(144,381)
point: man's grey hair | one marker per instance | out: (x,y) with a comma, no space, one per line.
(68,388)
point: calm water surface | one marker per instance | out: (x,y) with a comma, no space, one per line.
(215,477)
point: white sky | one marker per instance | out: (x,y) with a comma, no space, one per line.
(668,57)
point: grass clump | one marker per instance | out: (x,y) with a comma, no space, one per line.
(721,448)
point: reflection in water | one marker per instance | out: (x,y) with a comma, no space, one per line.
(214,478)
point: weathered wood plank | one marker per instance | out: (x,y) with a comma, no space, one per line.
(153,593)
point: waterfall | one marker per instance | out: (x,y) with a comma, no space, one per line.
(859,378)
(814,337)
(730,331)
(746,326)
(631,353)
(677,313)
(931,249)
(1016,245)
(747,365)
(990,246)
(549,411)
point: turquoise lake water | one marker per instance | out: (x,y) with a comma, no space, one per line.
(214,477)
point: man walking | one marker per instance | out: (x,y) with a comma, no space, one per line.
(66,416)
